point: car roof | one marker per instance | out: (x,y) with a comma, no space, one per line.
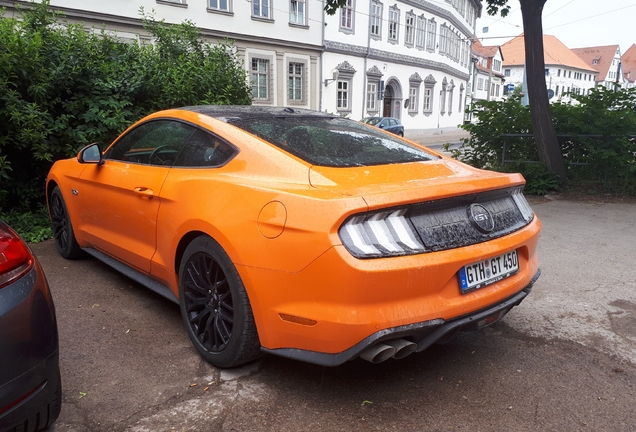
(223,112)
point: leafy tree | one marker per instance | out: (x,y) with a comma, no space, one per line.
(62,87)
(598,132)
(542,126)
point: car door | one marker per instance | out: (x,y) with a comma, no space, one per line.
(120,198)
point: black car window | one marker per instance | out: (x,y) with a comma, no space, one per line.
(372,121)
(156,142)
(335,142)
(393,122)
(204,150)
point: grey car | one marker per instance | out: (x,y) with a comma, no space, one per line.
(389,124)
(30,386)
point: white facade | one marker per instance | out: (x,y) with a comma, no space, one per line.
(404,59)
(408,59)
(614,75)
(488,83)
(562,80)
(280,41)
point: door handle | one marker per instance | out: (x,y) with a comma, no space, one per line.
(144,192)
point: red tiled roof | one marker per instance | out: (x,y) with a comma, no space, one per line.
(602,55)
(628,63)
(555,53)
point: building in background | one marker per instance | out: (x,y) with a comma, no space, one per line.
(407,59)
(606,60)
(404,59)
(488,81)
(280,42)
(565,72)
(628,67)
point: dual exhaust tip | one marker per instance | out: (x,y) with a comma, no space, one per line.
(397,349)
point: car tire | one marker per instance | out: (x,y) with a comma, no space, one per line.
(215,307)
(400,134)
(62,228)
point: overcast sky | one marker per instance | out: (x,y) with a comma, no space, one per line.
(576,23)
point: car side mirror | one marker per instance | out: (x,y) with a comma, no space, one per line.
(90,154)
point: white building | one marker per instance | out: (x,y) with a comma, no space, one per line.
(488,78)
(405,59)
(408,59)
(565,72)
(606,60)
(281,43)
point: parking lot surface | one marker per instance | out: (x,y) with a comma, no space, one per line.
(563,360)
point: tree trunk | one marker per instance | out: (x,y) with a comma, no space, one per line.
(542,126)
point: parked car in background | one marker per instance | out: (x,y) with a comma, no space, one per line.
(298,233)
(389,124)
(30,387)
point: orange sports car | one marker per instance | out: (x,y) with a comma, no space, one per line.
(299,233)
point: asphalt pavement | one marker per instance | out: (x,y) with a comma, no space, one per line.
(564,360)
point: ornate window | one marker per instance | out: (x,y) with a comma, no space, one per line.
(415,82)
(409,29)
(420,32)
(429,87)
(430,35)
(344,87)
(442,97)
(373,90)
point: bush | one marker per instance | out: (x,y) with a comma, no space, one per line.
(595,135)
(62,87)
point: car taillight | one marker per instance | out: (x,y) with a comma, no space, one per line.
(380,234)
(15,256)
(522,205)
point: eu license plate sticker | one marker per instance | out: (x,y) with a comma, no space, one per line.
(478,275)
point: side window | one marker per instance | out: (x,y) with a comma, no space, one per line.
(205,150)
(157,142)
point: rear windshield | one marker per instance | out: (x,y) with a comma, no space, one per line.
(334,142)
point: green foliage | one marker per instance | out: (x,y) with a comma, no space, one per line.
(595,136)
(62,87)
(484,147)
(34,227)
(539,179)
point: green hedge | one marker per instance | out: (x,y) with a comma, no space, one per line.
(596,136)
(62,87)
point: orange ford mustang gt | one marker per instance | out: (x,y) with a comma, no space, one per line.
(299,233)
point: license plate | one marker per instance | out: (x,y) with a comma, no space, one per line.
(478,275)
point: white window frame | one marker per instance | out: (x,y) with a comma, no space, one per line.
(409,29)
(218,7)
(394,24)
(296,82)
(372,96)
(347,17)
(298,12)
(343,95)
(420,32)
(255,81)
(375,21)
(431,29)
(262,9)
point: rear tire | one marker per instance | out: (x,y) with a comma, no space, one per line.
(62,228)
(214,306)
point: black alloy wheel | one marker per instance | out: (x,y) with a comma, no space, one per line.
(61,224)
(215,307)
